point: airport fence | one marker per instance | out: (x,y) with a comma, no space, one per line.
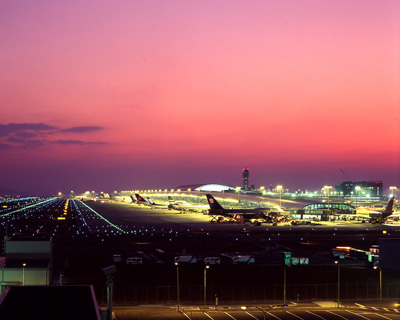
(131,294)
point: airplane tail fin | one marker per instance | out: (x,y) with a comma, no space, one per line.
(171,201)
(214,205)
(389,208)
(150,201)
(133,199)
(139,198)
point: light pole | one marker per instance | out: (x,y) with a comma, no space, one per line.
(205,285)
(261,311)
(358,188)
(23,273)
(338,282)
(262,193)
(177,284)
(109,272)
(280,195)
(328,188)
(238,192)
(284,284)
(393,188)
(380,287)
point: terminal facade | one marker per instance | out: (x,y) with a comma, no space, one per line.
(368,189)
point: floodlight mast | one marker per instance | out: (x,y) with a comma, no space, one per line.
(109,272)
(380,287)
(177,285)
(205,285)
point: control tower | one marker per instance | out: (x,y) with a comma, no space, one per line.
(245,179)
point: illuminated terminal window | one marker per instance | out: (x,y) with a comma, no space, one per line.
(334,206)
(207,187)
(214,187)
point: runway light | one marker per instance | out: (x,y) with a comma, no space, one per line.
(384,231)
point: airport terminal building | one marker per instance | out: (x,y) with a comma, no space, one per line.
(369,189)
(213,187)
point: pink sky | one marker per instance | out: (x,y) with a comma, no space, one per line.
(116,95)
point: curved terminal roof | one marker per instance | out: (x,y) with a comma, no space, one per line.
(332,205)
(208,187)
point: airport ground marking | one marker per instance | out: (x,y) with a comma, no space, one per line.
(184,313)
(317,315)
(295,315)
(276,317)
(361,306)
(208,315)
(360,315)
(113,225)
(251,315)
(77,209)
(230,315)
(383,316)
(336,314)
(27,207)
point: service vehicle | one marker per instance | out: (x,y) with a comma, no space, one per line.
(134,260)
(243,259)
(212,260)
(185,259)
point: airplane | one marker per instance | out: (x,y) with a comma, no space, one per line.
(242,214)
(120,198)
(393,220)
(184,206)
(139,200)
(376,216)
(157,205)
(114,197)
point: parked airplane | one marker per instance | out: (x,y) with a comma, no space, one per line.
(376,216)
(114,197)
(393,220)
(140,200)
(120,198)
(245,214)
(184,206)
(157,205)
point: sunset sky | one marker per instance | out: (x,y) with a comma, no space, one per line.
(120,95)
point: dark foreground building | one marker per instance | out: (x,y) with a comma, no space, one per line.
(49,302)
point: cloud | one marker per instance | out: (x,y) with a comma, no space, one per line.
(28,135)
(25,134)
(82,129)
(21,143)
(15,139)
(7,129)
(35,143)
(77,142)
(5,146)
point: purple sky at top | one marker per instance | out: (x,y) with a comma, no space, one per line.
(118,95)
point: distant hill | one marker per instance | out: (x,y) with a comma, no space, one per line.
(10,192)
